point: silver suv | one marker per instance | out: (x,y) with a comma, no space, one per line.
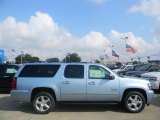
(45,84)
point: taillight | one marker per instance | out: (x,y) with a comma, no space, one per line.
(14,83)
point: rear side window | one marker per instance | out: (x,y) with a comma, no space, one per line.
(39,71)
(2,69)
(74,71)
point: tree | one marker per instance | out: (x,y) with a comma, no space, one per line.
(52,60)
(72,58)
(97,61)
(118,64)
(26,59)
(135,62)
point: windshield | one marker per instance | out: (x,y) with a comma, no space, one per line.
(137,67)
(122,67)
(144,68)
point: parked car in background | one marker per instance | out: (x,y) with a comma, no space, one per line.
(143,69)
(154,78)
(134,68)
(113,66)
(124,67)
(7,73)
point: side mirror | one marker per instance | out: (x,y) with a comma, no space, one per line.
(110,77)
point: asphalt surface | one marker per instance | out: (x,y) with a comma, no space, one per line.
(11,110)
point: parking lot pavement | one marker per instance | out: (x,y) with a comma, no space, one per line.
(10,110)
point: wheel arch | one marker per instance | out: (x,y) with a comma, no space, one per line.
(142,91)
(37,90)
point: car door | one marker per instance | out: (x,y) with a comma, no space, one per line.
(73,83)
(101,84)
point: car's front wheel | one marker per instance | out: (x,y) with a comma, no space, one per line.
(134,101)
(43,103)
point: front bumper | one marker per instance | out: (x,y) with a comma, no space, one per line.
(21,95)
(150,96)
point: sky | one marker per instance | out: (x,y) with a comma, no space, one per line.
(47,28)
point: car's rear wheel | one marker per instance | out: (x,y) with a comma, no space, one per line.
(134,102)
(43,103)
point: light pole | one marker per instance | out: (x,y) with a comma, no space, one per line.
(59,55)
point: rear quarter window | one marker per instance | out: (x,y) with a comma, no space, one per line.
(39,71)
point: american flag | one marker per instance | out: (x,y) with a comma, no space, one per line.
(130,49)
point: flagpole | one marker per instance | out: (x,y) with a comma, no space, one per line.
(111,46)
(125,38)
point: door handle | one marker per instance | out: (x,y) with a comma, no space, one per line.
(66,82)
(91,83)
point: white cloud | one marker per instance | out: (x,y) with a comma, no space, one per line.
(150,8)
(147,7)
(42,36)
(156,32)
(99,2)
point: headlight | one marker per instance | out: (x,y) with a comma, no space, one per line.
(149,86)
(153,78)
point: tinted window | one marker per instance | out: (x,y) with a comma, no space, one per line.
(145,67)
(74,71)
(39,71)
(97,72)
(154,68)
(2,69)
(122,67)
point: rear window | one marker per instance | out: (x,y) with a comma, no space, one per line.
(39,71)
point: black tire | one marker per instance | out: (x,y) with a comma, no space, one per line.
(43,103)
(134,102)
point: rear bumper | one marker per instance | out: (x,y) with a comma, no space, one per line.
(150,96)
(21,95)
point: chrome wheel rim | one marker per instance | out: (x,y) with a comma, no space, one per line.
(134,102)
(43,103)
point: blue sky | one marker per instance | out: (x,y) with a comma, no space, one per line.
(86,25)
(83,16)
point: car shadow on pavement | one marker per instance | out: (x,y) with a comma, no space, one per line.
(7,104)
